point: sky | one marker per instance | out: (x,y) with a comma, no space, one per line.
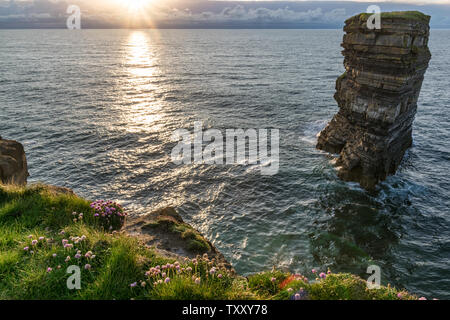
(204,13)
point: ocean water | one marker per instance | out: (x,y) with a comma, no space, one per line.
(96,109)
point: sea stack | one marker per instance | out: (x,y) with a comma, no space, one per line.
(377,95)
(13,163)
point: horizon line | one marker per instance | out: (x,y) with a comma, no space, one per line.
(194,28)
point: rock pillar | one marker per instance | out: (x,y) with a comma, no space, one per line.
(377,95)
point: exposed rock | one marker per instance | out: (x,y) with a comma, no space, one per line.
(377,95)
(13,163)
(55,190)
(166,231)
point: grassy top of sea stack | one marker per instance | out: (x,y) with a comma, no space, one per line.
(402,15)
(45,230)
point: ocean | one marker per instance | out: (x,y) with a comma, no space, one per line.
(96,109)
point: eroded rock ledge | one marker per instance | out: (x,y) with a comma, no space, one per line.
(13,163)
(377,95)
(165,231)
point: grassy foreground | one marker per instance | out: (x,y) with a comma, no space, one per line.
(43,232)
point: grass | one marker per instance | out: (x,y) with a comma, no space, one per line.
(405,15)
(114,265)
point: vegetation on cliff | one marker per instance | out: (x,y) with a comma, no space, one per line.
(43,231)
(405,15)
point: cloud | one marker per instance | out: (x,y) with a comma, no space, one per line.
(239,13)
(201,13)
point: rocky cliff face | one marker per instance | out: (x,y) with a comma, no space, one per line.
(13,163)
(377,95)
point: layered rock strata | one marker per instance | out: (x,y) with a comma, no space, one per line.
(13,163)
(377,95)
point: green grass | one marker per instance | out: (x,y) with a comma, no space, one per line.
(121,261)
(405,15)
(343,286)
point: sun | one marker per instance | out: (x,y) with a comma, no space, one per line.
(134,5)
(137,13)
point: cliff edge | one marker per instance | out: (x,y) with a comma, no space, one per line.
(13,163)
(165,231)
